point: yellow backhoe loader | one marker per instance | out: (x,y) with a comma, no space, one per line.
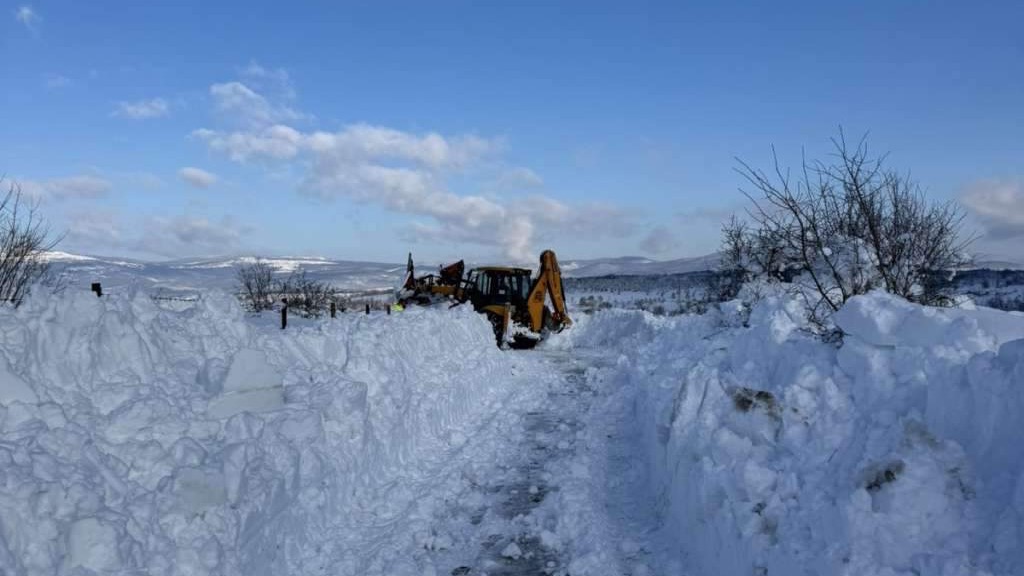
(511,298)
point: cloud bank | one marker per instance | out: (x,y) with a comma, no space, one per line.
(197,177)
(404,172)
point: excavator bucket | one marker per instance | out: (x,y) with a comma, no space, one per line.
(451,274)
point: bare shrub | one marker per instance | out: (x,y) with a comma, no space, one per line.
(24,241)
(256,284)
(309,297)
(845,228)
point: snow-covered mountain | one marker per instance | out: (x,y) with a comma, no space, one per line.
(195,273)
(201,273)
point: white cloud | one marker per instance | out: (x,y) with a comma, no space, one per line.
(658,241)
(190,235)
(94,231)
(197,177)
(55,81)
(81,186)
(240,102)
(363,142)
(518,178)
(407,173)
(355,144)
(27,16)
(276,79)
(142,109)
(999,205)
(278,142)
(420,190)
(996,208)
(404,172)
(98,231)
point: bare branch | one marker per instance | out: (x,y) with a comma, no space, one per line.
(847,227)
(25,239)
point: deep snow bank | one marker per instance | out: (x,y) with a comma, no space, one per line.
(771,452)
(135,439)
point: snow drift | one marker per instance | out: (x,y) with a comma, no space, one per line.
(769,451)
(199,441)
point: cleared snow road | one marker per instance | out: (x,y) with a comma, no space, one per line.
(564,495)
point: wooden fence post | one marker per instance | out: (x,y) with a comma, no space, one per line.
(284,313)
(334,309)
(388,308)
(367,308)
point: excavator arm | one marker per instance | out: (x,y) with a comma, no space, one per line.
(549,284)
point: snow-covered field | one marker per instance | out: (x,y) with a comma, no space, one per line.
(148,437)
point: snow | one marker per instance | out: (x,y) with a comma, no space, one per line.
(140,437)
(13,388)
(772,451)
(57,255)
(278,264)
(512,551)
(92,544)
(132,443)
(881,320)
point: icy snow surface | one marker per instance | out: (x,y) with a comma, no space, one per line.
(772,452)
(194,439)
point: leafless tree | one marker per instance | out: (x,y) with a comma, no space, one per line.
(256,283)
(305,295)
(24,241)
(846,227)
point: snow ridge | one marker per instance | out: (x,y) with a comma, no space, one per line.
(777,453)
(200,441)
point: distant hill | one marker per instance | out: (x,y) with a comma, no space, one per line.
(200,273)
(197,273)
(206,273)
(996,265)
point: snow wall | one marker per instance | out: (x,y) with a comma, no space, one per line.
(138,439)
(772,452)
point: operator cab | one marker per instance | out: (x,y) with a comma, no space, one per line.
(499,286)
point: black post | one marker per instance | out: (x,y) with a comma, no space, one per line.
(97,289)
(388,308)
(367,308)
(334,309)
(284,313)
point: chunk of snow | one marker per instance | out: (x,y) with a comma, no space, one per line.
(199,489)
(512,551)
(258,400)
(13,388)
(92,544)
(250,370)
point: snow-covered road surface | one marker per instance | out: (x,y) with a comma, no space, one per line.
(561,498)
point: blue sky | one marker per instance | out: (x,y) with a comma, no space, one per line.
(459,129)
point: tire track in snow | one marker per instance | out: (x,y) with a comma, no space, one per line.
(542,508)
